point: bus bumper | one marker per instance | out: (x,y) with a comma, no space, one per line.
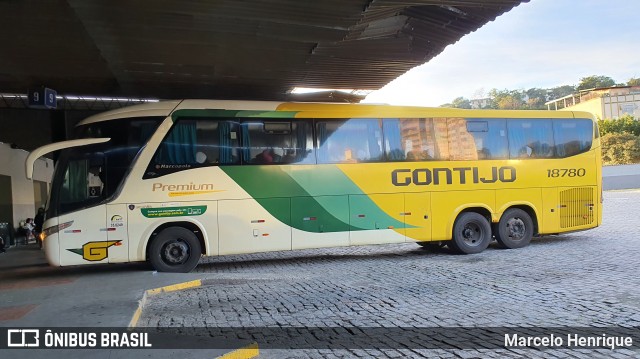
(51,245)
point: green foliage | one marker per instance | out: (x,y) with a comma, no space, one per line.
(507,99)
(590,82)
(461,102)
(633,82)
(535,98)
(620,149)
(561,91)
(625,124)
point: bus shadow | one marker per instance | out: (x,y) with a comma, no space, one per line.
(301,259)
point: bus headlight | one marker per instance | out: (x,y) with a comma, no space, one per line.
(54,229)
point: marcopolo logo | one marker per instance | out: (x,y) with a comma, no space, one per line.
(175,190)
(458,175)
(116,221)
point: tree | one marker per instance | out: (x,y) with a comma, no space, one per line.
(536,98)
(507,99)
(561,91)
(461,102)
(624,124)
(620,148)
(634,81)
(594,81)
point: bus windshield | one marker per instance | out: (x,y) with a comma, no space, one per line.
(89,175)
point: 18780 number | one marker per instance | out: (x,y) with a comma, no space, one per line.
(566,172)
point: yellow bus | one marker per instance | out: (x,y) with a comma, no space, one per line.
(171,181)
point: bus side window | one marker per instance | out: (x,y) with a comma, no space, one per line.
(349,141)
(572,136)
(276,141)
(530,138)
(488,137)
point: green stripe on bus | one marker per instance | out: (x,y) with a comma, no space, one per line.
(266,182)
(319,192)
(326,180)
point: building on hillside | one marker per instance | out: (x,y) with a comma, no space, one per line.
(606,102)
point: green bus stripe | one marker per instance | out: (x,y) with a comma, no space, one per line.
(315,190)
(266,182)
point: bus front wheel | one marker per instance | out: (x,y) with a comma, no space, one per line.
(175,249)
(515,229)
(471,233)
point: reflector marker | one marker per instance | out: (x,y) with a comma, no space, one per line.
(257,221)
(309,218)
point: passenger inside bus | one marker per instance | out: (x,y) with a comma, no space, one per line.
(264,157)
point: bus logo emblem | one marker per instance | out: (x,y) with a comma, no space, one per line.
(95,251)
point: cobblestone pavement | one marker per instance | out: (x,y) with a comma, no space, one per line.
(585,279)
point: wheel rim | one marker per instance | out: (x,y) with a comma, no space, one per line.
(516,229)
(175,252)
(472,234)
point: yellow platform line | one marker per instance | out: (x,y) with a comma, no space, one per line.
(250,351)
(175,287)
(169,288)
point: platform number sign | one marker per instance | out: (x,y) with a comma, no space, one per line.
(42,98)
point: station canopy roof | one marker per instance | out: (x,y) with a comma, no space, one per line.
(227,49)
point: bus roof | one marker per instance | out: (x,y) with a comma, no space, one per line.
(327,110)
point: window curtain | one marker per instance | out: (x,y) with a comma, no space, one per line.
(323,156)
(373,131)
(180,145)
(246,143)
(517,139)
(77,181)
(301,138)
(224,134)
(393,139)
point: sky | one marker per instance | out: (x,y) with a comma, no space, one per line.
(542,43)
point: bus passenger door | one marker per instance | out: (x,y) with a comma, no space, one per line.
(376,219)
(117,239)
(82,239)
(417,208)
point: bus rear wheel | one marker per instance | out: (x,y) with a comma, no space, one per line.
(515,229)
(175,249)
(471,233)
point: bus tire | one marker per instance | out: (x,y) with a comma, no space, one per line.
(175,249)
(471,233)
(515,229)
